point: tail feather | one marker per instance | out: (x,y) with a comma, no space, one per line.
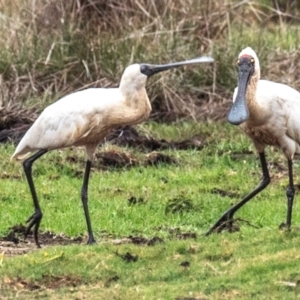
(20,154)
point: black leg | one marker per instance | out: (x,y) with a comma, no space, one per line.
(36,218)
(290,192)
(226,218)
(84,199)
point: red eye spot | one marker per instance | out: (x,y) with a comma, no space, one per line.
(245,55)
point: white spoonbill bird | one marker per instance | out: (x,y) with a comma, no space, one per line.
(269,113)
(83,119)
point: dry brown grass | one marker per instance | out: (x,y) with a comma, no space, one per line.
(50,48)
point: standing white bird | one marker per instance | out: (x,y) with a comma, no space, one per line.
(269,113)
(83,119)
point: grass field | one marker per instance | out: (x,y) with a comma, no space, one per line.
(177,204)
(149,217)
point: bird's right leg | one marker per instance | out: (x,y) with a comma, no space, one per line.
(226,218)
(36,218)
(290,192)
(84,199)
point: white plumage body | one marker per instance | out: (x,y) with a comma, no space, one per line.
(274,117)
(84,118)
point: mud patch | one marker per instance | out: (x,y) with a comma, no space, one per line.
(114,158)
(127,257)
(139,240)
(54,282)
(111,280)
(224,193)
(46,282)
(5,175)
(155,158)
(178,234)
(14,243)
(241,155)
(119,160)
(185,264)
(179,205)
(134,200)
(278,170)
(129,137)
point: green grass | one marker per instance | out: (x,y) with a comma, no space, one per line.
(258,262)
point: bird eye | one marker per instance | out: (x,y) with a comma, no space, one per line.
(238,61)
(252,60)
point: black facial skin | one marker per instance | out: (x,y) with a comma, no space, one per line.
(239,112)
(146,70)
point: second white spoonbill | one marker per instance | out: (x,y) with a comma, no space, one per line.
(269,113)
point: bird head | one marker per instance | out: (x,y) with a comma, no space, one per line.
(248,56)
(135,76)
(248,66)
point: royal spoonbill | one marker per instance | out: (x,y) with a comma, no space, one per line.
(269,113)
(83,119)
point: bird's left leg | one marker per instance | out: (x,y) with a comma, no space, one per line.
(84,199)
(226,218)
(36,218)
(290,192)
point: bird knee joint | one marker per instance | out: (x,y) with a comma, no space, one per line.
(290,191)
(27,164)
(84,195)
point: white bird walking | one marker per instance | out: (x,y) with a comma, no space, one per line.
(83,119)
(269,113)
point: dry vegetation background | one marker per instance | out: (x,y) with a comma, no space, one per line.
(49,48)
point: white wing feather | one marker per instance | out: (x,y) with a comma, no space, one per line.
(64,122)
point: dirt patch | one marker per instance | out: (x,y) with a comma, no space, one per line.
(54,282)
(118,160)
(155,158)
(114,158)
(139,240)
(135,200)
(239,156)
(111,280)
(128,257)
(5,175)
(46,282)
(224,193)
(179,205)
(129,137)
(177,233)
(14,243)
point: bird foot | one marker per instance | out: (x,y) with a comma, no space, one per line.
(91,241)
(34,221)
(284,226)
(224,223)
